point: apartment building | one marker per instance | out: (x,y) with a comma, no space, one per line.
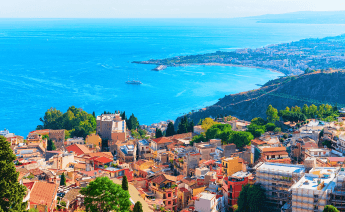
(312,192)
(276,179)
(127,153)
(232,186)
(111,127)
(232,165)
(206,202)
(338,195)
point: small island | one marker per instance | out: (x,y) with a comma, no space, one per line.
(288,58)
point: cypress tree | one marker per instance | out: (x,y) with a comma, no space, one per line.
(138,207)
(12,193)
(170,130)
(124,183)
(159,133)
(63,179)
(51,145)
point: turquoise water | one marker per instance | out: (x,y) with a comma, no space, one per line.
(85,62)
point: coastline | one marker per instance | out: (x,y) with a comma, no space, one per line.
(223,64)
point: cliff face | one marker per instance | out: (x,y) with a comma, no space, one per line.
(315,88)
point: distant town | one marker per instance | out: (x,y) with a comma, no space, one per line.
(289,58)
(291,161)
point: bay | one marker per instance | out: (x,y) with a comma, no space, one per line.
(85,62)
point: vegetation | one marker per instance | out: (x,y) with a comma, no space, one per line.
(124,183)
(132,123)
(272,114)
(330,208)
(207,123)
(185,126)
(63,179)
(323,112)
(170,130)
(51,145)
(138,207)
(12,193)
(139,133)
(78,122)
(226,134)
(251,199)
(104,195)
(159,133)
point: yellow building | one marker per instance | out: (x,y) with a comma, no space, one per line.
(232,165)
(93,139)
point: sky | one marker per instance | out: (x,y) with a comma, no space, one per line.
(159,8)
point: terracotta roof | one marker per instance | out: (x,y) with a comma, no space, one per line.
(79,149)
(43,193)
(36,171)
(103,160)
(276,153)
(29,185)
(22,173)
(336,159)
(100,154)
(71,195)
(273,149)
(162,140)
(159,179)
(139,162)
(310,145)
(80,166)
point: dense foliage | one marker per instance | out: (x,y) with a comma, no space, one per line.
(132,123)
(63,179)
(251,199)
(170,130)
(330,208)
(11,192)
(78,122)
(124,183)
(272,114)
(138,207)
(104,195)
(185,126)
(226,134)
(51,145)
(159,133)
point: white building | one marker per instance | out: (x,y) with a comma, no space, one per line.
(4,132)
(312,192)
(318,152)
(276,179)
(206,202)
(111,124)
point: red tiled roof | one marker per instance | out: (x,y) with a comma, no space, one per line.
(159,179)
(102,154)
(162,140)
(273,149)
(36,171)
(103,160)
(275,153)
(78,149)
(336,159)
(43,193)
(139,162)
(29,185)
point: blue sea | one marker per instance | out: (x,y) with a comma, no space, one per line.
(57,63)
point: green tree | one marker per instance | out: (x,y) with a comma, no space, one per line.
(138,207)
(63,179)
(330,208)
(12,193)
(132,122)
(270,126)
(159,133)
(104,195)
(252,199)
(258,121)
(124,183)
(241,139)
(256,130)
(51,145)
(272,114)
(170,130)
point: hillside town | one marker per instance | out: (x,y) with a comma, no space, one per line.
(298,166)
(292,58)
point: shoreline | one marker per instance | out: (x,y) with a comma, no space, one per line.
(223,64)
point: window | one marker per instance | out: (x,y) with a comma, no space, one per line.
(169,202)
(169,195)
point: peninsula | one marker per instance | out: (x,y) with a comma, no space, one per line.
(288,58)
